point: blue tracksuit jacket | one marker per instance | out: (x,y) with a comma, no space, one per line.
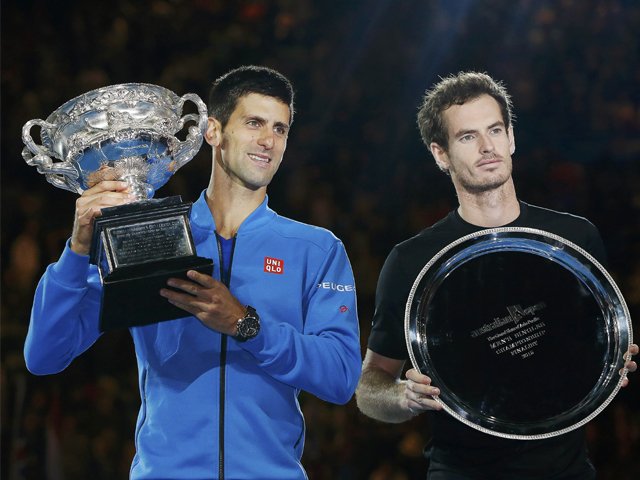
(212,407)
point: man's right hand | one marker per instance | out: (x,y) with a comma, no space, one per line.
(419,394)
(109,193)
(383,396)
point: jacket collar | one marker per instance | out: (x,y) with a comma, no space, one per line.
(203,224)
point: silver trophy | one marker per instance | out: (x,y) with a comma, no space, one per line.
(127,132)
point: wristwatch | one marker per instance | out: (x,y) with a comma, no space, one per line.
(248,326)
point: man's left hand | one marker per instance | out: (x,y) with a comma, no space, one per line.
(207,299)
(629,364)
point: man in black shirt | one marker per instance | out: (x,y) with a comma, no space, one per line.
(466,122)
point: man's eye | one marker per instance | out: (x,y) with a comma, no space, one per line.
(253,123)
(466,138)
(281,130)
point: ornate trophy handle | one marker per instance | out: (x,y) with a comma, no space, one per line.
(61,174)
(187,149)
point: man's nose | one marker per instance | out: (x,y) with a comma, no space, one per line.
(486,145)
(266,139)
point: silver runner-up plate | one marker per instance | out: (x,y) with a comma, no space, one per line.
(522,331)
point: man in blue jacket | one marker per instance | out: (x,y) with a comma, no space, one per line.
(219,388)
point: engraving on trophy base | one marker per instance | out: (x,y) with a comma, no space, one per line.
(149,241)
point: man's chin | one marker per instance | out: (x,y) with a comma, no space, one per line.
(486,186)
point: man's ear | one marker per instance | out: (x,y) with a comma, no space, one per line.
(512,140)
(441,157)
(213,134)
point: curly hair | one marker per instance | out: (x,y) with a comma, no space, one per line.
(457,90)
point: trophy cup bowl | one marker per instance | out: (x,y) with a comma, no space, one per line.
(523,331)
(127,132)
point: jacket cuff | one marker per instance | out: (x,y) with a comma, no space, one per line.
(256,344)
(71,269)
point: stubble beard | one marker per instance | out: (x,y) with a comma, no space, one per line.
(478,187)
(483,187)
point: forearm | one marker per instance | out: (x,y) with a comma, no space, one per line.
(324,356)
(64,317)
(381,396)
(326,365)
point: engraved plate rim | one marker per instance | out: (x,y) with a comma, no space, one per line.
(476,241)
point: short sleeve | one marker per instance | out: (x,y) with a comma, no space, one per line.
(387,332)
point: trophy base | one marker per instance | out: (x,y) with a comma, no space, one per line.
(131,298)
(137,248)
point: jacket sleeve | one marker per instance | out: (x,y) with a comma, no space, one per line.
(325,359)
(65,314)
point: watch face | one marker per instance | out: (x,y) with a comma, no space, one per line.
(248,327)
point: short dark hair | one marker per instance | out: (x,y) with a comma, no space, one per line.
(235,84)
(457,90)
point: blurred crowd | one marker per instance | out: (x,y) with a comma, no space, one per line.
(354,164)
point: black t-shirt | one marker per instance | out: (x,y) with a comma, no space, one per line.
(455,443)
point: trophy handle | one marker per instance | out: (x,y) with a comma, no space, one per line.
(61,174)
(187,149)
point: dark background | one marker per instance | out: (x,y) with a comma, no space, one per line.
(355,164)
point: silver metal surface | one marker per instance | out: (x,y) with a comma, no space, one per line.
(119,132)
(525,327)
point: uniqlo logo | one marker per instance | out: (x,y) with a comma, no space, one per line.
(273,265)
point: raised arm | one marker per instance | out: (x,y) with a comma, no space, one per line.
(65,313)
